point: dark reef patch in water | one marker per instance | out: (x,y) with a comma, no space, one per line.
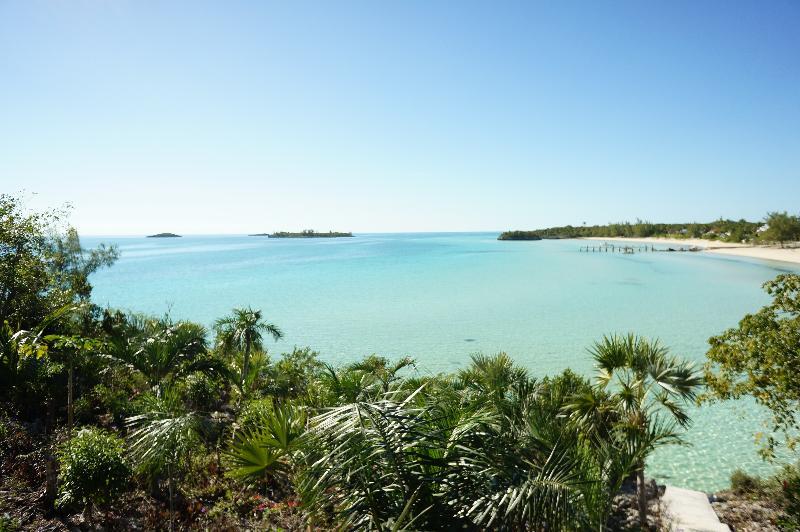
(630,282)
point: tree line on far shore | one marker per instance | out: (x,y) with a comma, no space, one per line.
(777,227)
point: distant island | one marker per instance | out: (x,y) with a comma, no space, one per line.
(308,233)
(164,235)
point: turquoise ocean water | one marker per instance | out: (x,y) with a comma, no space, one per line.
(441,297)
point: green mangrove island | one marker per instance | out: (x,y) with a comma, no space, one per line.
(111,420)
(519,235)
(307,233)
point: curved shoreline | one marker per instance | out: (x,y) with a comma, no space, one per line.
(791,256)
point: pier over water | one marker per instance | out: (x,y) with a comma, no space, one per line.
(629,249)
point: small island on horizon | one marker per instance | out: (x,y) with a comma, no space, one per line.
(307,233)
(164,235)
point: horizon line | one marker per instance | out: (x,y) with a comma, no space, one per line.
(256,235)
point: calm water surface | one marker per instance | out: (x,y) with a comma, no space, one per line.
(441,297)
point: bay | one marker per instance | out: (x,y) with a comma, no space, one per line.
(440,297)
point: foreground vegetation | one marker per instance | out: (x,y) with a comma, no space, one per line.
(122,421)
(759,359)
(776,227)
(763,504)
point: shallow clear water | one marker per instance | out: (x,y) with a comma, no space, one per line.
(441,297)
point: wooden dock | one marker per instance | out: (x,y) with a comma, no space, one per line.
(628,249)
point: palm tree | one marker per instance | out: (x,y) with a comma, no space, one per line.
(345,386)
(382,369)
(163,435)
(439,462)
(639,397)
(242,331)
(498,380)
(523,464)
(73,348)
(493,376)
(161,349)
(375,465)
(368,379)
(30,343)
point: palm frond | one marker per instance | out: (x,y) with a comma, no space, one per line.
(267,446)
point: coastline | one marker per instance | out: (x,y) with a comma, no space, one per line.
(719,248)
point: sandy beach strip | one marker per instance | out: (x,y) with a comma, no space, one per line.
(720,248)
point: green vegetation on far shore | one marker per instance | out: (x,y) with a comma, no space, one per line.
(164,235)
(519,235)
(776,227)
(307,233)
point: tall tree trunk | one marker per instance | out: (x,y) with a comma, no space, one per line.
(51,480)
(50,417)
(642,493)
(69,400)
(246,362)
(88,513)
(171,504)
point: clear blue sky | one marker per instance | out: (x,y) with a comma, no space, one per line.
(233,117)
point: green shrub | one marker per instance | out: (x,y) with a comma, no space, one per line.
(202,392)
(741,482)
(789,480)
(255,413)
(93,470)
(83,409)
(781,489)
(8,523)
(291,376)
(104,404)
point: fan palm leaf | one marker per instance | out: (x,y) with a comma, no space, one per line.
(268,446)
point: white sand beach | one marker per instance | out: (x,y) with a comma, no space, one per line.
(791,255)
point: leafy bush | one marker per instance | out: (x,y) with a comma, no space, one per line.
(781,491)
(782,227)
(9,524)
(741,482)
(93,469)
(759,358)
(789,480)
(293,373)
(115,401)
(255,413)
(202,391)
